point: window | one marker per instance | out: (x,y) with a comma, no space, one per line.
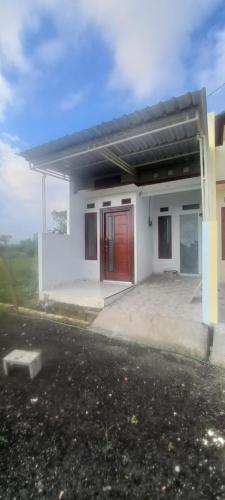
(223,232)
(90,205)
(193,206)
(165,237)
(91,236)
(164,209)
(125,201)
(106,204)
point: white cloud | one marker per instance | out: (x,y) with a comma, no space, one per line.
(13,20)
(72,100)
(17,181)
(6,95)
(20,195)
(17,20)
(211,65)
(148,39)
(13,141)
(11,138)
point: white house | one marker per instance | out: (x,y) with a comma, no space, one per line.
(142,196)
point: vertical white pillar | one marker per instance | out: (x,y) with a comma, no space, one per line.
(42,243)
(205,273)
(209,229)
(40,263)
(44,225)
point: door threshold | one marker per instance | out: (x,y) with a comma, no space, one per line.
(192,275)
(115,282)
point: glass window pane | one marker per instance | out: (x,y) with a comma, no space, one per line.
(110,244)
(164,237)
(189,243)
(91,236)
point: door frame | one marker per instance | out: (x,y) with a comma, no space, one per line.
(125,208)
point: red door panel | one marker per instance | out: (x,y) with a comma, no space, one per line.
(118,245)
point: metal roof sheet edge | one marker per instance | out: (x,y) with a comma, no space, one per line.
(125,122)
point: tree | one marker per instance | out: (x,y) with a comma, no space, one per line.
(60,221)
(28,246)
(5,239)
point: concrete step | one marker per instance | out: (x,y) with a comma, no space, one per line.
(80,319)
(82,313)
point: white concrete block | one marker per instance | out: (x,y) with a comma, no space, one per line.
(19,357)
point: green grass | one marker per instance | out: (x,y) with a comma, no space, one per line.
(23,271)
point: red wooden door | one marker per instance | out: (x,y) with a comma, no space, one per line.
(118,244)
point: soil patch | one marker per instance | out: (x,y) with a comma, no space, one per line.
(107,419)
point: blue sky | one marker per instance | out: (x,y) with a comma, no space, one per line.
(68,65)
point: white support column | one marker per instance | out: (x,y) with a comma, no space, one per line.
(44,225)
(209,227)
(40,262)
(42,240)
(205,273)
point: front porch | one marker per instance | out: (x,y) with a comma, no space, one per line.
(164,312)
(68,275)
(84,293)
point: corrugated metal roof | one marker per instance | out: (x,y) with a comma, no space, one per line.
(137,150)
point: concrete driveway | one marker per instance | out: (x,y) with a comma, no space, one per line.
(164,312)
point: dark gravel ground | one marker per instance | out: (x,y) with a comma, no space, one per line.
(106,419)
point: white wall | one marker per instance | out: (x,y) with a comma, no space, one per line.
(76,231)
(143,235)
(62,257)
(91,268)
(174,202)
(57,264)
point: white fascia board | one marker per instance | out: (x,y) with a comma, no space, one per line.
(128,188)
(180,185)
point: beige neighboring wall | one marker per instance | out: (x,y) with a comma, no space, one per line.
(220,196)
(220,163)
